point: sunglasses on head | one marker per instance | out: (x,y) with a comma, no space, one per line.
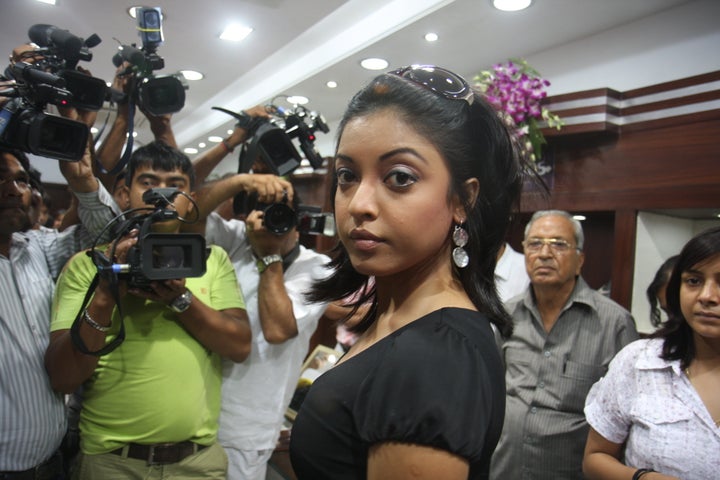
(438,80)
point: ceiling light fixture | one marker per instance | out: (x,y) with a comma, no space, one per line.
(49,2)
(331,84)
(215,139)
(297,100)
(374,63)
(580,218)
(431,37)
(192,75)
(511,5)
(235,32)
(190,150)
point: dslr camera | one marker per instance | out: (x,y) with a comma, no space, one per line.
(161,256)
(50,79)
(157,94)
(279,218)
(272,140)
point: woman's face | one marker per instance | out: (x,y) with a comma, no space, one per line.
(700,297)
(391,204)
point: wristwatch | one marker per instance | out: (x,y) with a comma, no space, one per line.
(182,303)
(266,261)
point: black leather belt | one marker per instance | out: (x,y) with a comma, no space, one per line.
(46,470)
(161,453)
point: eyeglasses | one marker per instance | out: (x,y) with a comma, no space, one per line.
(438,80)
(21,182)
(557,245)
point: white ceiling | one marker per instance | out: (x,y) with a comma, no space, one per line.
(298,45)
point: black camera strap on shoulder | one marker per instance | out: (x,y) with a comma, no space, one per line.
(104,265)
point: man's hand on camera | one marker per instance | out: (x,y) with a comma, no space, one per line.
(120,257)
(162,291)
(269,188)
(239,134)
(263,241)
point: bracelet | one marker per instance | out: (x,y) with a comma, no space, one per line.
(227,146)
(640,472)
(88,319)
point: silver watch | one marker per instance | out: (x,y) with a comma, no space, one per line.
(267,260)
(182,303)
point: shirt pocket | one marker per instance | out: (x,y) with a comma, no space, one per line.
(666,426)
(576,380)
(521,368)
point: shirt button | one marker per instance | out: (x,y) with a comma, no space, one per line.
(533,410)
(546,353)
(541,384)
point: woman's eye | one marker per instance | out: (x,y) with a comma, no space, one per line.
(344,176)
(692,281)
(399,178)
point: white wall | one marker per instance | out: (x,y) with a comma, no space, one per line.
(658,238)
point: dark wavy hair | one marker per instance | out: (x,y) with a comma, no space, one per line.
(661,278)
(474,143)
(20,155)
(679,343)
(158,155)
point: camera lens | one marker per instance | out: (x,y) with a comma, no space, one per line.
(278,218)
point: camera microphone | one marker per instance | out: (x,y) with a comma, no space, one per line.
(32,74)
(47,35)
(130,54)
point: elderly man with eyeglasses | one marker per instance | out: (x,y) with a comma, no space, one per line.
(564,338)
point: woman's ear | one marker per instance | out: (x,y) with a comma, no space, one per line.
(472,190)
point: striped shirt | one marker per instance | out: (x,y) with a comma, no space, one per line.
(548,376)
(32,416)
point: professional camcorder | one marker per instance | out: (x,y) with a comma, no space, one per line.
(159,256)
(156,94)
(50,78)
(271,140)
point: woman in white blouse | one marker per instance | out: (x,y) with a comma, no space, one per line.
(656,414)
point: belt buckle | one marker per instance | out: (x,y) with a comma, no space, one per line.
(151,454)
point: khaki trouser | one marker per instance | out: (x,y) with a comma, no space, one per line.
(209,463)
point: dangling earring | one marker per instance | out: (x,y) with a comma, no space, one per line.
(460,239)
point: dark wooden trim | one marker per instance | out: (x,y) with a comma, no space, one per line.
(697,98)
(672,85)
(697,117)
(582,95)
(623,261)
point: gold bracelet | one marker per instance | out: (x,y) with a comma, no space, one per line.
(88,319)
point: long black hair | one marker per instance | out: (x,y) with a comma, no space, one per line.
(662,276)
(474,143)
(679,343)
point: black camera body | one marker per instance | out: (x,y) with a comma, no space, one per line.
(162,256)
(25,126)
(60,52)
(271,140)
(156,94)
(279,218)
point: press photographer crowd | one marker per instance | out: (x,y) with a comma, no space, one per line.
(143,326)
(172,322)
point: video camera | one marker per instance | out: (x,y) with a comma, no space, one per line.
(156,94)
(160,256)
(271,141)
(51,78)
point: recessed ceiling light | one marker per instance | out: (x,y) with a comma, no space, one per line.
(579,218)
(431,37)
(331,84)
(132,11)
(215,139)
(230,132)
(374,63)
(94,130)
(49,2)
(511,5)
(201,144)
(235,32)
(297,100)
(190,150)
(192,75)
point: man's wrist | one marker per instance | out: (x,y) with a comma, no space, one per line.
(264,262)
(182,302)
